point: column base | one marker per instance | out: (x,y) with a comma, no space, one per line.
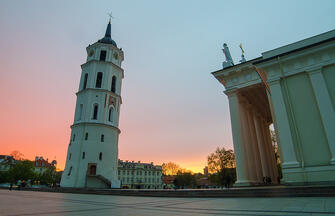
(332,161)
(292,164)
(244,183)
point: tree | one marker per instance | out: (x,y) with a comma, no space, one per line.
(48,176)
(170,168)
(22,170)
(220,159)
(185,180)
(17,155)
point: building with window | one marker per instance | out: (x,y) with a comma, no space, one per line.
(137,175)
(6,162)
(41,164)
(92,156)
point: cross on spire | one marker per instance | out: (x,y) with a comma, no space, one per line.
(110,16)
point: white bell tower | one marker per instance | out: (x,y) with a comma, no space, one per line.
(92,157)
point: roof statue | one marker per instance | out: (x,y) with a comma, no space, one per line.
(229,61)
(242,56)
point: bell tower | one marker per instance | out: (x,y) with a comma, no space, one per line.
(92,156)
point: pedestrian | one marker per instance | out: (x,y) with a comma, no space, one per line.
(11,186)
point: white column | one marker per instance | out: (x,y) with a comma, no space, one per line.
(289,158)
(261,146)
(326,108)
(254,146)
(266,149)
(239,150)
(272,158)
(247,142)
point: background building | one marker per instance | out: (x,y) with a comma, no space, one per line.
(6,162)
(92,157)
(140,175)
(41,165)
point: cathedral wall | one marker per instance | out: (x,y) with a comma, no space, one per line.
(329,76)
(305,121)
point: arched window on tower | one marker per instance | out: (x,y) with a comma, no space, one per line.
(83,155)
(110,114)
(95,111)
(113,84)
(99,80)
(85,81)
(103,55)
(102,139)
(100,156)
(70,170)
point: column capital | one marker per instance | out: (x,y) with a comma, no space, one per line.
(274,81)
(314,70)
(232,93)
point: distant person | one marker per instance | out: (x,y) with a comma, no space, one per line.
(11,186)
(19,184)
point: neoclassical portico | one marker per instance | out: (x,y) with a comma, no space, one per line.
(251,119)
(299,102)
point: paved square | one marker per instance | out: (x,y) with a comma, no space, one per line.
(15,203)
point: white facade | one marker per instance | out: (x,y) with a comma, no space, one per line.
(140,175)
(300,105)
(92,157)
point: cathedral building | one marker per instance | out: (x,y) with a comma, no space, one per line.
(293,89)
(92,156)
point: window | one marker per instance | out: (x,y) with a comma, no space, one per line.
(80,111)
(99,80)
(95,111)
(103,55)
(113,84)
(83,155)
(100,156)
(86,136)
(74,137)
(102,139)
(70,156)
(110,114)
(118,172)
(85,81)
(70,170)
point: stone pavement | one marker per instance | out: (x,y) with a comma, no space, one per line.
(45,203)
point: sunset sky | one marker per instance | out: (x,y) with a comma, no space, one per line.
(173,108)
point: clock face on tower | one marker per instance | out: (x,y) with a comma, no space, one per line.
(90,53)
(116,56)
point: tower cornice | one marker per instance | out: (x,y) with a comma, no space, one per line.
(97,61)
(101,90)
(96,123)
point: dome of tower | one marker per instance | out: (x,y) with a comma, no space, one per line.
(107,39)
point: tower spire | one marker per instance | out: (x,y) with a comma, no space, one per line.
(108,33)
